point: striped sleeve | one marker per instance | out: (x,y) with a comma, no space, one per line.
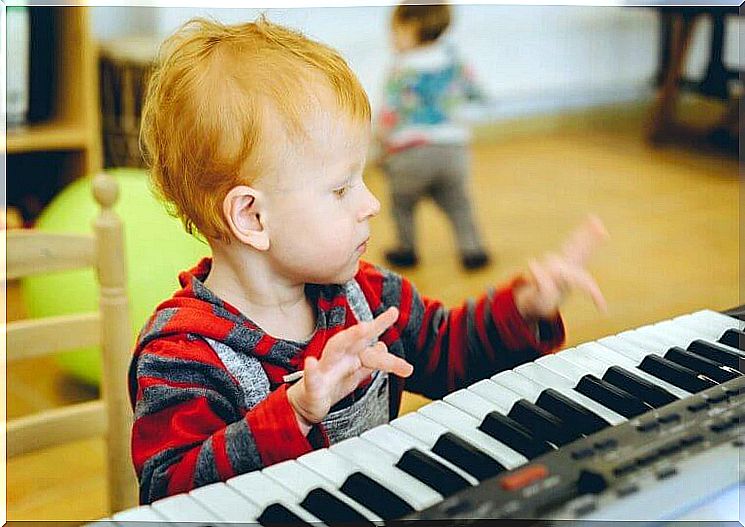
(190,427)
(452,348)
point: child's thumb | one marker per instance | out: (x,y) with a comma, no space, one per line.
(310,371)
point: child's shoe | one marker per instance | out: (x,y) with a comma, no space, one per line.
(402,257)
(475,260)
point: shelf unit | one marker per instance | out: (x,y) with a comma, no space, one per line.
(42,157)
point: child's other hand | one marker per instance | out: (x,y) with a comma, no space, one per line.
(557,274)
(347,359)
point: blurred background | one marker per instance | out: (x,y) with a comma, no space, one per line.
(631,113)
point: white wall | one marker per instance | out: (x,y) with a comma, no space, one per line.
(531,58)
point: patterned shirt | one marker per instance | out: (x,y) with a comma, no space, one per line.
(195,420)
(423,92)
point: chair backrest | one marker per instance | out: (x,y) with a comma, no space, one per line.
(31,252)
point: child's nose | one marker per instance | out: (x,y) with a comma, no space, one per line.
(371,205)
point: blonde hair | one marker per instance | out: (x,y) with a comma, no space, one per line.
(209,94)
(430,20)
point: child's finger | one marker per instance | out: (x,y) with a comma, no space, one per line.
(581,279)
(583,241)
(377,357)
(544,282)
(310,373)
(382,322)
(354,339)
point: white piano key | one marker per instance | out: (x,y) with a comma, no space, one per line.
(332,467)
(688,335)
(671,334)
(718,322)
(543,375)
(624,347)
(259,489)
(466,427)
(587,363)
(646,338)
(662,338)
(397,443)
(518,384)
(571,366)
(604,354)
(182,508)
(392,440)
(373,460)
(642,339)
(678,334)
(226,503)
(498,394)
(608,355)
(264,491)
(663,335)
(705,329)
(417,425)
(710,329)
(563,367)
(550,379)
(300,480)
(138,515)
(473,404)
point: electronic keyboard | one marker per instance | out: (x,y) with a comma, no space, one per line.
(643,425)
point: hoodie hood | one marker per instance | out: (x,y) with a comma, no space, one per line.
(195,312)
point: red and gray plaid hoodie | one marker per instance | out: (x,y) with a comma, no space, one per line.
(195,422)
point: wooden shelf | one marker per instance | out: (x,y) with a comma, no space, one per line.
(75,127)
(48,136)
(45,156)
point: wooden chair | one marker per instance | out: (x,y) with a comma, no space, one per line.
(32,252)
(677,26)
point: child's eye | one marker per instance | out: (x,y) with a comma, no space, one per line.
(341,191)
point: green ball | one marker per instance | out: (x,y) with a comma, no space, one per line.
(157,249)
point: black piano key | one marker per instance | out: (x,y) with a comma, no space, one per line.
(700,364)
(735,338)
(676,374)
(467,457)
(727,356)
(616,399)
(331,510)
(514,435)
(648,392)
(431,472)
(571,412)
(375,497)
(543,424)
(278,514)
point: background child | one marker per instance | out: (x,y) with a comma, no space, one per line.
(423,149)
(257,138)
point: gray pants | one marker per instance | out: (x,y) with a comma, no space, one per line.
(440,172)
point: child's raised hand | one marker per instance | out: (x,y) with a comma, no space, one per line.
(557,274)
(348,358)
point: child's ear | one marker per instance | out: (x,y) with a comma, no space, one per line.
(243,209)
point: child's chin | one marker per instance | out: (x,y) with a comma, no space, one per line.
(346,275)
(342,276)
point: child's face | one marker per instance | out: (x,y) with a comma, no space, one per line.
(319,206)
(404,36)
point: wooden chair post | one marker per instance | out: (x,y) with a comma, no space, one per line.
(116,331)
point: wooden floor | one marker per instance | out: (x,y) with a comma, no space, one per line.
(672,215)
